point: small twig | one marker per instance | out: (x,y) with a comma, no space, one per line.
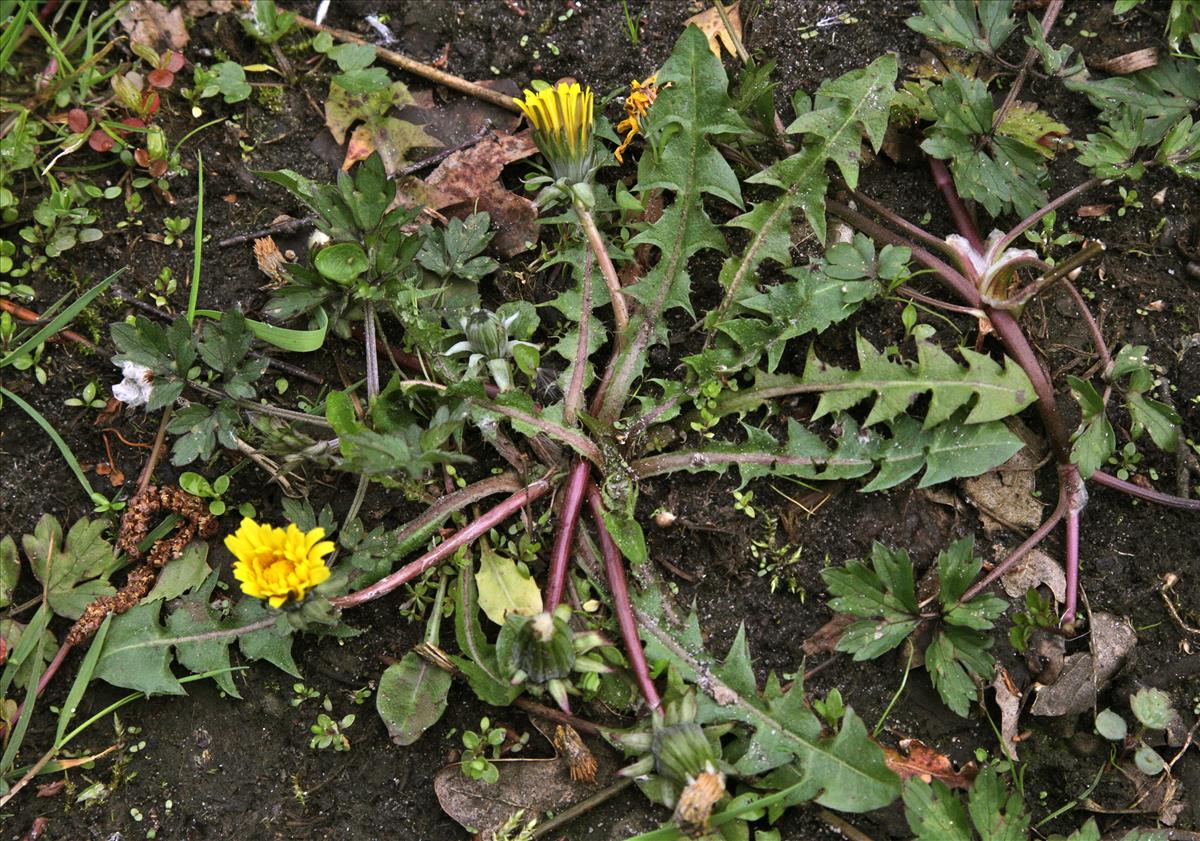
(156,450)
(556,715)
(290,226)
(840,825)
(1060,272)
(596,241)
(31,317)
(581,808)
(419,68)
(441,155)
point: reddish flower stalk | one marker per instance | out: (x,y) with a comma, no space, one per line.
(476,529)
(568,519)
(614,570)
(1072,495)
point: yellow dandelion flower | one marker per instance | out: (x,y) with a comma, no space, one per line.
(637,104)
(562,118)
(278,564)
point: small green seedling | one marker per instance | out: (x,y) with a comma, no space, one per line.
(476,762)
(1152,710)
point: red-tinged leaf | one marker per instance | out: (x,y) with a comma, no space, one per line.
(174,61)
(77,120)
(157,168)
(161,78)
(150,103)
(142,157)
(100,142)
(917,759)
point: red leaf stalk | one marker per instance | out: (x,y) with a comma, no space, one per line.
(568,519)
(619,588)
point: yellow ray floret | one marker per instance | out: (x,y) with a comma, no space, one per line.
(562,117)
(637,104)
(278,564)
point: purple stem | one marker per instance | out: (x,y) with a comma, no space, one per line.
(1072,553)
(568,519)
(1026,223)
(619,588)
(447,547)
(958,211)
(945,272)
(1148,494)
(1021,551)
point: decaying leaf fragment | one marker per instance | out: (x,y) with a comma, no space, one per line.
(709,22)
(917,759)
(469,179)
(1084,674)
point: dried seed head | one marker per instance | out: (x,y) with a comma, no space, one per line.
(270,260)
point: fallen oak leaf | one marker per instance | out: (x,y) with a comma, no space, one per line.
(709,22)
(917,759)
(1008,699)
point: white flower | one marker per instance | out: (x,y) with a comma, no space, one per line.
(135,389)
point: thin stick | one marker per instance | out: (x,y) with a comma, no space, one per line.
(596,241)
(31,317)
(155,450)
(413,66)
(581,808)
(476,529)
(441,155)
(282,228)
(618,588)
(554,714)
(568,519)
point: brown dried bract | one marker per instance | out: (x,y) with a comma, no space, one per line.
(195,521)
(696,801)
(579,757)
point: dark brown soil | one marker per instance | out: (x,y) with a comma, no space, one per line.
(214,767)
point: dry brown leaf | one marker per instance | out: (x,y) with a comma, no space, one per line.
(709,22)
(1008,699)
(149,23)
(824,640)
(917,759)
(1004,496)
(535,785)
(1128,63)
(1035,569)
(468,181)
(1084,674)
(1092,211)
(201,8)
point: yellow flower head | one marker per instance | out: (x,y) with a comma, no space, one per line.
(562,118)
(277,564)
(637,104)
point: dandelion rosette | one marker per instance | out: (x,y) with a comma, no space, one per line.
(562,118)
(637,105)
(277,564)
